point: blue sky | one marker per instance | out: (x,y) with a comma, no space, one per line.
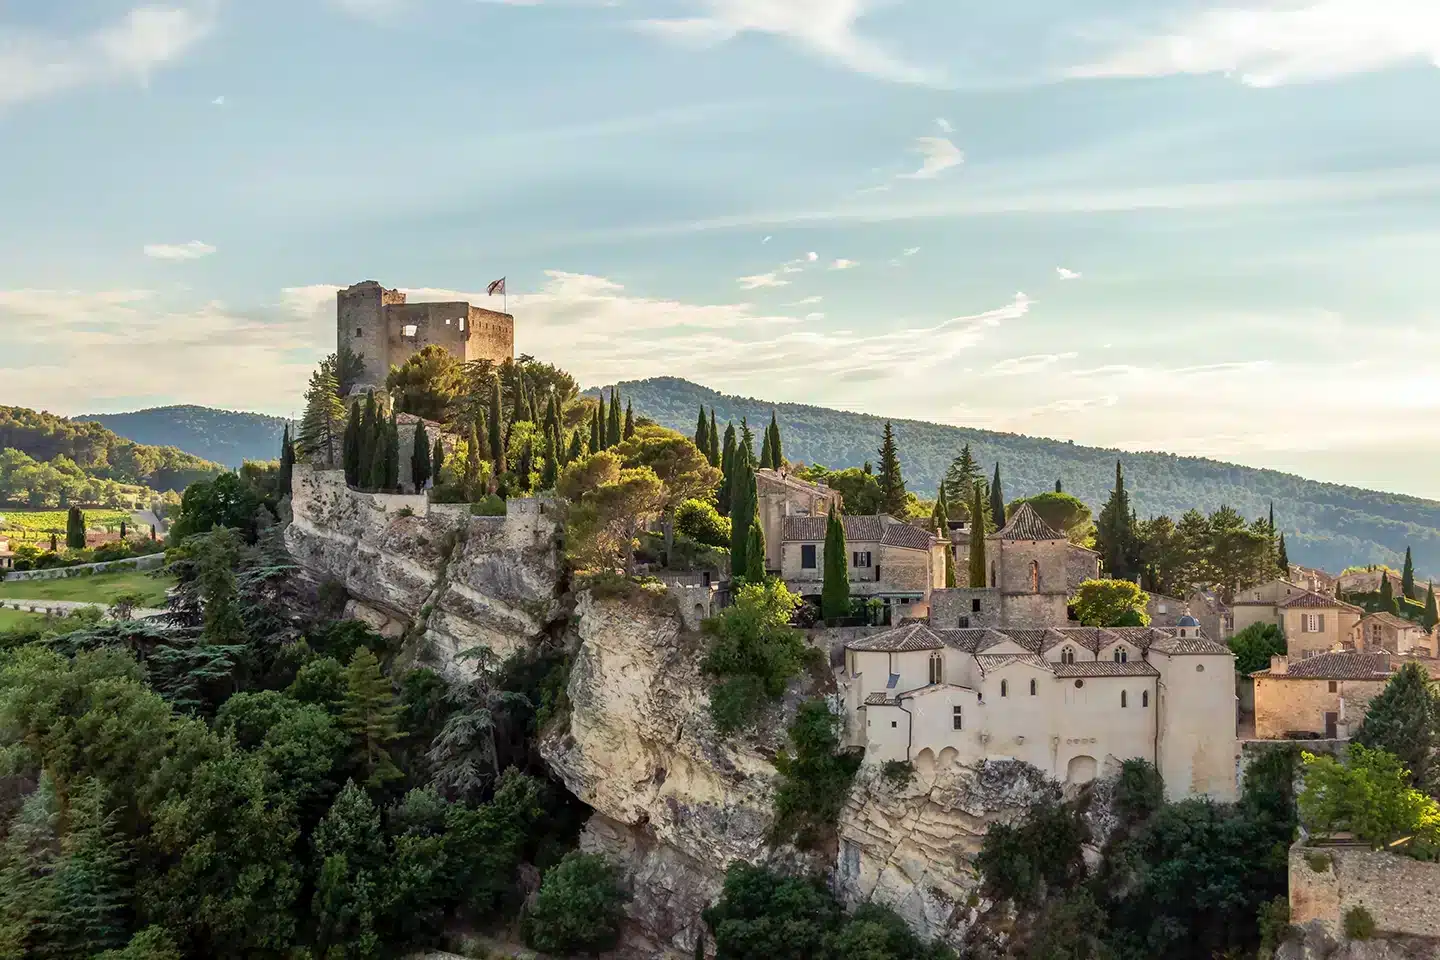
(1182,225)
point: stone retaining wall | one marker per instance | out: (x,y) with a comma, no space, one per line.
(1399,893)
(152,562)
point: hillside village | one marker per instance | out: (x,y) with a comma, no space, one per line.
(487,659)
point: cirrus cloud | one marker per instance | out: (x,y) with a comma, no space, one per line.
(193,250)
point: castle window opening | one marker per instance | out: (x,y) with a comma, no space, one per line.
(462,324)
(1067,655)
(1333,686)
(975,605)
(994,579)
(359,332)
(409,330)
(964,623)
(937,668)
(807,556)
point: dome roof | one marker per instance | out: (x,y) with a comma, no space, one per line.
(1187,621)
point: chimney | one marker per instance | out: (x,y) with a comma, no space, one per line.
(1280,665)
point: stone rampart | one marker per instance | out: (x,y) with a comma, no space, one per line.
(1399,893)
(152,561)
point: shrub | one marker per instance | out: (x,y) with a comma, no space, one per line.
(701,522)
(1359,924)
(753,645)
(815,778)
(899,773)
(1044,851)
(405,512)
(1139,791)
(488,506)
(1255,645)
(579,907)
(1275,927)
(1319,862)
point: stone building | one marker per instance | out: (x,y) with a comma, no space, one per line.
(783,495)
(895,562)
(1166,612)
(1074,702)
(1325,695)
(385,330)
(1385,631)
(1313,623)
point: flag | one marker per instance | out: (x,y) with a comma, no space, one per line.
(497,287)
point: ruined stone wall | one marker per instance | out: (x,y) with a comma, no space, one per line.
(411,327)
(1399,893)
(1032,610)
(1080,565)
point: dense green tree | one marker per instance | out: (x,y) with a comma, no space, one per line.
(351,877)
(892,484)
(392,454)
(746,439)
(1431,616)
(755,553)
(701,522)
(960,479)
(437,459)
(815,778)
(369,715)
(753,652)
(713,450)
(763,915)
(614,426)
(75,529)
(835,592)
(629,429)
(777,451)
(365,439)
(997,501)
(322,423)
(420,458)
(1255,645)
(579,908)
(978,573)
(1407,577)
(727,469)
(576,448)
(550,469)
(351,446)
(1387,594)
(702,431)
(765,456)
(602,424)
(379,458)
(495,441)
(1282,557)
(1115,537)
(743,511)
(217,556)
(428,384)
(1110,603)
(1371,796)
(1061,512)
(1404,720)
(679,464)
(287,464)
(1042,853)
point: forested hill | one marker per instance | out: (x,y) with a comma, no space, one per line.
(225,436)
(1326,524)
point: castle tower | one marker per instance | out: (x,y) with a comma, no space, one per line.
(385,330)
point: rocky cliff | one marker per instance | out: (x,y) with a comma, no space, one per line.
(447,580)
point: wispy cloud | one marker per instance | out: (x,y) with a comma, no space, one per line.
(1064,273)
(843,264)
(944,125)
(193,250)
(806,301)
(939,155)
(1271,44)
(218,101)
(825,27)
(35,64)
(910,251)
(1034,363)
(761,280)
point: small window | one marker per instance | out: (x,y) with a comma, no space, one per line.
(359,332)
(994,577)
(1163,607)
(1121,655)
(1334,686)
(964,623)
(447,321)
(1144,698)
(1034,576)
(937,668)
(807,556)
(957,718)
(975,605)
(1004,688)
(860,558)
(1034,687)
(893,724)
(1124,699)
(462,323)
(1067,655)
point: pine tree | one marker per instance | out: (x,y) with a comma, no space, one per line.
(702,432)
(1387,594)
(392,454)
(727,469)
(1407,577)
(629,430)
(496,442)
(1115,537)
(1432,616)
(1282,558)
(977,538)
(352,446)
(997,500)
(960,479)
(713,451)
(766,454)
(287,462)
(892,485)
(420,458)
(437,460)
(1404,719)
(351,882)
(370,715)
(777,453)
(27,879)
(742,511)
(613,429)
(75,529)
(835,592)
(90,895)
(576,447)
(321,425)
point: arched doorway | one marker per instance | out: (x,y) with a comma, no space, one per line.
(1080,770)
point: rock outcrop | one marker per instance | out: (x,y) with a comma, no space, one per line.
(448,580)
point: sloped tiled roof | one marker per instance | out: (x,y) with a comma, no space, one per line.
(906,535)
(1340,665)
(915,636)
(1106,668)
(1027,525)
(1391,620)
(880,699)
(1316,600)
(864,529)
(1186,646)
(989,663)
(967,640)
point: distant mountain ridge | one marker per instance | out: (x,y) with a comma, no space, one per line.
(1326,524)
(225,436)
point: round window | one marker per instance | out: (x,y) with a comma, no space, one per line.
(1079,684)
(1199,668)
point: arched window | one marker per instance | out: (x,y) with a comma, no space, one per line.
(1067,655)
(1034,576)
(1144,698)
(994,580)
(1121,655)
(1034,687)
(937,667)
(1124,698)
(1004,688)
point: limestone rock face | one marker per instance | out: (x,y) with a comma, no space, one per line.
(1311,942)
(453,580)
(910,846)
(673,800)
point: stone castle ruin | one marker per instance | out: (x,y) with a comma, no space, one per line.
(385,331)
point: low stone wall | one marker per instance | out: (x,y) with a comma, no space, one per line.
(152,562)
(1399,893)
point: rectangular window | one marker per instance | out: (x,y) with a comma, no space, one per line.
(807,556)
(964,623)
(860,558)
(1334,687)
(957,717)
(975,605)
(1320,623)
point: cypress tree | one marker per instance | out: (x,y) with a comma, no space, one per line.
(602,423)
(713,450)
(702,432)
(496,443)
(552,416)
(940,515)
(1058,487)
(365,447)
(997,500)
(942,531)
(75,529)
(1387,594)
(1115,537)
(1271,522)
(472,465)
(629,430)
(1407,577)
(742,512)
(551,471)
(766,454)
(573,453)
(747,440)
(481,431)
(594,446)
(392,454)
(1282,559)
(352,446)
(755,553)
(727,469)
(379,458)
(526,466)
(613,430)
(1432,616)
(437,460)
(287,462)
(977,539)
(420,458)
(776,453)
(892,484)
(835,593)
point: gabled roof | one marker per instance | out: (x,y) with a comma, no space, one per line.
(1026,525)
(869,529)
(1339,665)
(907,535)
(1185,646)
(1388,619)
(1315,600)
(914,636)
(1106,668)
(989,663)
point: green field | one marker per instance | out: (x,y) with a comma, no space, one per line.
(100,588)
(35,526)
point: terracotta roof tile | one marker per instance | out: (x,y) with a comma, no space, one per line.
(1027,525)
(906,535)
(1316,600)
(868,529)
(989,663)
(1106,668)
(1391,620)
(1186,646)
(967,640)
(1340,665)
(915,636)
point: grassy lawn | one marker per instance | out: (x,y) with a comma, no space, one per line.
(100,588)
(10,619)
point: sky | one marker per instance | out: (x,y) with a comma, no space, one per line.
(1205,227)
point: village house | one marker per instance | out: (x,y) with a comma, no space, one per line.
(1313,623)
(782,495)
(1385,631)
(1313,579)
(1073,701)
(7,557)
(895,562)
(1325,695)
(1213,615)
